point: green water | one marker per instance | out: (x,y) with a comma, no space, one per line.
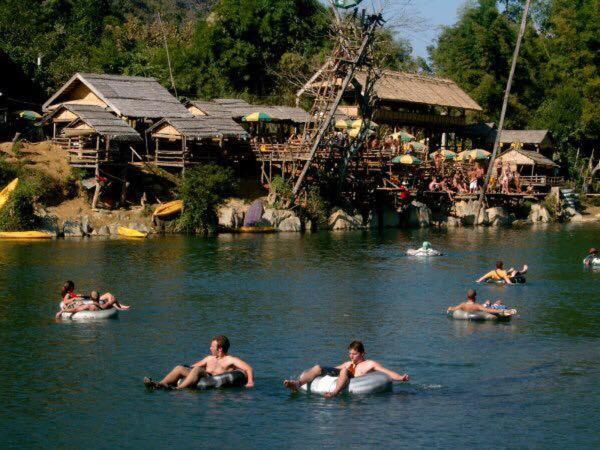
(289,301)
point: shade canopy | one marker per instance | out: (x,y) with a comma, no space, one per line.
(446,154)
(403,136)
(257,117)
(471,155)
(408,160)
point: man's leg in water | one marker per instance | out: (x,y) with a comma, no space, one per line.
(110,300)
(193,377)
(306,377)
(175,375)
(342,382)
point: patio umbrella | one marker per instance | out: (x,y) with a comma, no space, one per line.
(408,160)
(354,132)
(257,117)
(403,136)
(29,115)
(346,4)
(343,124)
(358,123)
(473,155)
(446,154)
(418,146)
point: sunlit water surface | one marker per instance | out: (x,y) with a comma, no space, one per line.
(289,301)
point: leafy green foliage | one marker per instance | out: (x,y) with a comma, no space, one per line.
(281,192)
(316,208)
(202,190)
(17,213)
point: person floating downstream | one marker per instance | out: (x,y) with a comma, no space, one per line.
(358,366)
(471,305)
(425,250)
(499,274)
(217,363)
(592,257)
(72,302)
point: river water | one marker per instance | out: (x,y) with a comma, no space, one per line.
(289,301)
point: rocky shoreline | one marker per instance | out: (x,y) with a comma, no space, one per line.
(232,212)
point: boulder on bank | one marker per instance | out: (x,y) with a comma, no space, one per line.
(273,217)
(539,214)
(72,228)
(341,220)
(101,231)
(49,224)
(138,227)
(573,215)
(231,213)
(290,224)
(86,227)
(497,216)
(466,212)
(417,215)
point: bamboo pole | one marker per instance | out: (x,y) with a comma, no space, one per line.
(504,107)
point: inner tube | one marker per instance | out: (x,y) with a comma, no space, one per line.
(423,252)
(477,316)
(235,378)
(371,383)
(594,262)
(90,315)
(519,279)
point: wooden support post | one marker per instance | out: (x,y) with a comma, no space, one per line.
(98,188)
(124,186)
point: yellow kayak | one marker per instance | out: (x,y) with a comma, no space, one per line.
(168,209)
(128,232)
(5,193)
(25,235)
(257,230)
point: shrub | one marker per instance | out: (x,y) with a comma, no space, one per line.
(202,190)
(281,192)
(17,213)
(316,207)
(553,205)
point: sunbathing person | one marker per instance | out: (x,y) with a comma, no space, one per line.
(499,274)
(72,302)
(471,305)
(217,363)
(358,366)
(498,304)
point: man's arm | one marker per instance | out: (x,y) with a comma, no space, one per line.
(454,308)
(201,363)
(247,368)
(390,373)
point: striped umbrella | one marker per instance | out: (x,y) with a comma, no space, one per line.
(446,154)
(418,146)
(257,117)
(354,132)
(343,124)
(403,136)
(358,123)
(29,115)
(471,155)
(408,160)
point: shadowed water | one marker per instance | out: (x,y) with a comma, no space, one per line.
(289,301)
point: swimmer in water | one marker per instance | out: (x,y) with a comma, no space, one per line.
(217,363)
(499,274)
(358,366)
(471,305)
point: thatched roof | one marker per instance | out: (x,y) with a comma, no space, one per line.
(134,97)
(103,123)
(411,88)
(200,127)
(526,158)
(524,136)
(236,109)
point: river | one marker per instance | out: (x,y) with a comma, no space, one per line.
(287,302)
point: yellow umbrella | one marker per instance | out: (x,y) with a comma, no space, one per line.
(446,154)
(257,117)
(354,132)
(472,155)
(358,123)
(403,136)
(343,124)
(408,160)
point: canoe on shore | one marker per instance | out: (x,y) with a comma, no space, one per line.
(5,193)
(169,209)
(256,230)
(25,235)
(130,233)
